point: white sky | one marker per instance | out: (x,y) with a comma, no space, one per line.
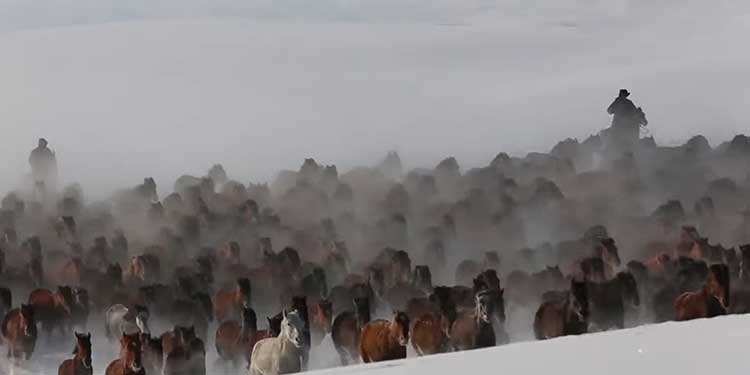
(125,89)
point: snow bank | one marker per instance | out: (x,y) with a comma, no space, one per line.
(705,346)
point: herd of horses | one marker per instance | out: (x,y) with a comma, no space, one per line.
(377,262)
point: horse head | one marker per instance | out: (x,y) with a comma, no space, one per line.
(130,352)
(27,320)
(82,350)
(292,328)
(401,326)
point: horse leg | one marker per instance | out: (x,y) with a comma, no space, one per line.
(343,356)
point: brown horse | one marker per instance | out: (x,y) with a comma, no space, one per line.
(228,303)
(321,320)
(712,300)
(347,328)
(53,310)
(563,314)
(80,364)
(233,338)
(474,329)
(430,331)
(384,340)
(129,362)
(19,332)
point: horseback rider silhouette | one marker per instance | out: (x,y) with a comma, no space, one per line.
(626,122)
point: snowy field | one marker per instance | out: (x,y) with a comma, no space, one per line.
(704,346)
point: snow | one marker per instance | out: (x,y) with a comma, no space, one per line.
(704,346)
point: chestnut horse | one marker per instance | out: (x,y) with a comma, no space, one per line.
(384,340)
(129,362)
(431,329)
(233,338)
(347,328)
(321,320)
(19,332)
(53,310)
(80,364)
(474,329)
(228,303)
(563,314)
(712,300)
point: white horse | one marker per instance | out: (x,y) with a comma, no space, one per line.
(119,320)
(282,354)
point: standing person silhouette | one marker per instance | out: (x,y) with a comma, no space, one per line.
(43,167)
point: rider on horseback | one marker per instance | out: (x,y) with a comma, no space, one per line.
(626,121)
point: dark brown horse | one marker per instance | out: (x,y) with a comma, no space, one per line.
(712,300)
(19,332)
(474,329)
(228,303)
(563,313)
(186,354)
(608,300)
(129,362)
(80,364)
(384,340)
(233,338)
(53,310)
(152,354)
(321,320)
(347,328)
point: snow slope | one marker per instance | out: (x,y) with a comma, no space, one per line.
(705,346)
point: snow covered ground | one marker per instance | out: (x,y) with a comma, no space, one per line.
(705,346)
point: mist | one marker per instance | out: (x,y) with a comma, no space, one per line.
(124,91)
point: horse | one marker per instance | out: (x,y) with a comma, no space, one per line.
(6,299)
(384,340)
(53,310)
(81,308)
(431,329)
(321,320)
(152,354)
(710,301)
(129,362)
(282,354)
(347,328)
(80,364)
(563,313)
(228,303)
(233,338)
(607,300)
(273,330)
(474,329)
(120,320)
(19,332)
(184,353)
